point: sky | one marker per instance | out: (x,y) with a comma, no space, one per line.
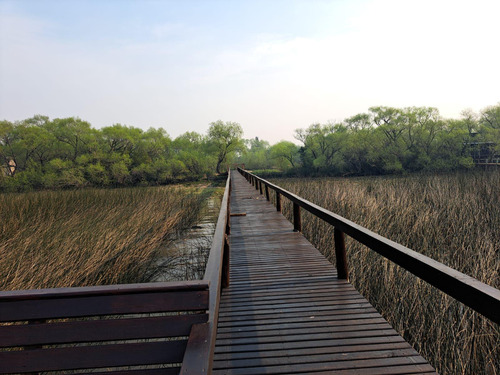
(272,66)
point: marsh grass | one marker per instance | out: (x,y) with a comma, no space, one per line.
(454,219)
(90,237)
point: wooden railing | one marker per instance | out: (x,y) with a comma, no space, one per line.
(471,292)
(199,361)
(152,328)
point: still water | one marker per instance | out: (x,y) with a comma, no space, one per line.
(185,257)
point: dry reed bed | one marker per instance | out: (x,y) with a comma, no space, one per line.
(454,219)
(89,237)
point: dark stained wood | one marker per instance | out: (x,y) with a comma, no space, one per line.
(99,330)
(316,357)
(104,290)
(278,201)
(267,193)
(471,292)
(287,312)
(103,305)
(213,272)
(98,327)
(195,358)
(225,264)
(87,357)
(340,255)
(344,347)
(156,371)
(297,221)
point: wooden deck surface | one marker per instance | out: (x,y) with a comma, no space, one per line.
(285,311)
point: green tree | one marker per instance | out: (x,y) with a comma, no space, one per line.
(226,140)
(322,144)
(255,154)
(286,154)
(190,149)
(490,116)
(75,136)
(120,139)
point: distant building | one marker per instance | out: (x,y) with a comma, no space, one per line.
(484,153)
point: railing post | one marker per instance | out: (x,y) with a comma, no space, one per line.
(260,187)
(278,201)
(256,184)
(225,263)
(267,194)
(340,254)
(297,222)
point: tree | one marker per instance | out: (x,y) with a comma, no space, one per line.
(120,139)
(490,116)
(190,150)
(255,154)
(358,122)
(226,139)
(322,144)
(74,135)
(286,153)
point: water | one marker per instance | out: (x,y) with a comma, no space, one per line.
(185,258)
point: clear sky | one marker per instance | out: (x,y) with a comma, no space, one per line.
(273,66)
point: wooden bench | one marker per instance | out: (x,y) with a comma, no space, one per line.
(122,329)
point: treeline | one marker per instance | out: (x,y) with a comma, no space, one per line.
(61,153)
(385,140)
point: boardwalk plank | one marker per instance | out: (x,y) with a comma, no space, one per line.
(286,312)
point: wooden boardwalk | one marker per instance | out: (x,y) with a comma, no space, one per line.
(286,312)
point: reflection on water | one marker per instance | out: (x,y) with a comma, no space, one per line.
(185,258)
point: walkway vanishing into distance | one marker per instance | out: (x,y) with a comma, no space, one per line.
(286,312)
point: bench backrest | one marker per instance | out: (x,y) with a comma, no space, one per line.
(118,328)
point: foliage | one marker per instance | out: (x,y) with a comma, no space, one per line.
(399,140)
(63,153)
(225,139)
(66,153)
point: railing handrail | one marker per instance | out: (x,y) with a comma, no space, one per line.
(199,359)
(481,297)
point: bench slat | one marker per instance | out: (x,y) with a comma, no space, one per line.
(159,371)
(103,305)
(98,330)
(87,357)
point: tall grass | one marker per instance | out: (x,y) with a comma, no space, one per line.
(454,219)
(89,237)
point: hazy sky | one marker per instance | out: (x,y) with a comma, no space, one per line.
(273,66)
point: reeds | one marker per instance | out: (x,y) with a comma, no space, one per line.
(89,237)
(454,219)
